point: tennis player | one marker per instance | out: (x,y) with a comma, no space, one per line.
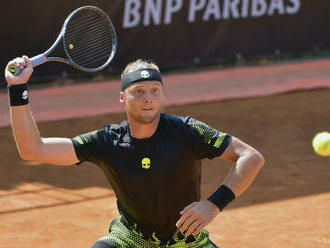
(152,161)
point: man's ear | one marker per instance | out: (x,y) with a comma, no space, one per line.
(122,96)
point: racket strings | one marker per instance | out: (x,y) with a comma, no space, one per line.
(96,45)
(91,42)
(87,63)
(88,23)
(83,19)
(91,53)
(90,16)
(95,41)
(90,57)
(89,39)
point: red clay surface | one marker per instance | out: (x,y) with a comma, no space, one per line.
(287,205)
(91,99)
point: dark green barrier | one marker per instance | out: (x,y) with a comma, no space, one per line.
(173,32)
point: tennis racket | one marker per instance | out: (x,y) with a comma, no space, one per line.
(88,38)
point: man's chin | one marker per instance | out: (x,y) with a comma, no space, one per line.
(146,118)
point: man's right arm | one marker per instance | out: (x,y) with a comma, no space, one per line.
(31,146)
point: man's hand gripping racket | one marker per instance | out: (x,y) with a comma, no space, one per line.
(89,42)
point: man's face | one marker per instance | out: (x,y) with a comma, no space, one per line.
(143,100)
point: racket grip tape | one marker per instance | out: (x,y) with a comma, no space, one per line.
(36,61)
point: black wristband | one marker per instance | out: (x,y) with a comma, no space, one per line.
(222,197)
(18,95)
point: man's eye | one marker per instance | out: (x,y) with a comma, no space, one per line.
(155,90)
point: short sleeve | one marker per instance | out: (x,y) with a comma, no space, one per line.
(207,141)
(87,146)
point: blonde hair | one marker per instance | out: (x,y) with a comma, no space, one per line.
(139,64)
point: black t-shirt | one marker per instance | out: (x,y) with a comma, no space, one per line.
(156,177)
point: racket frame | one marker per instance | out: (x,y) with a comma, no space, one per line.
(43,57)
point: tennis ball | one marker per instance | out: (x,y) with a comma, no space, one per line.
(71,46)
(321,143)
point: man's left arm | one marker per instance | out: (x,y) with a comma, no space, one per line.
(248,162)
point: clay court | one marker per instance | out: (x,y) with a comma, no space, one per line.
(277,109)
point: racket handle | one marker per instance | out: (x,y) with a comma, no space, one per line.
(36,60)
(13,69)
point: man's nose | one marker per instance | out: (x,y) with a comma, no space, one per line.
(148,97)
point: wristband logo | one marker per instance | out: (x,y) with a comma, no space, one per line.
(145,74)
(25,95)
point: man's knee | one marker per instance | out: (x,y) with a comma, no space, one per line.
(101,244)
